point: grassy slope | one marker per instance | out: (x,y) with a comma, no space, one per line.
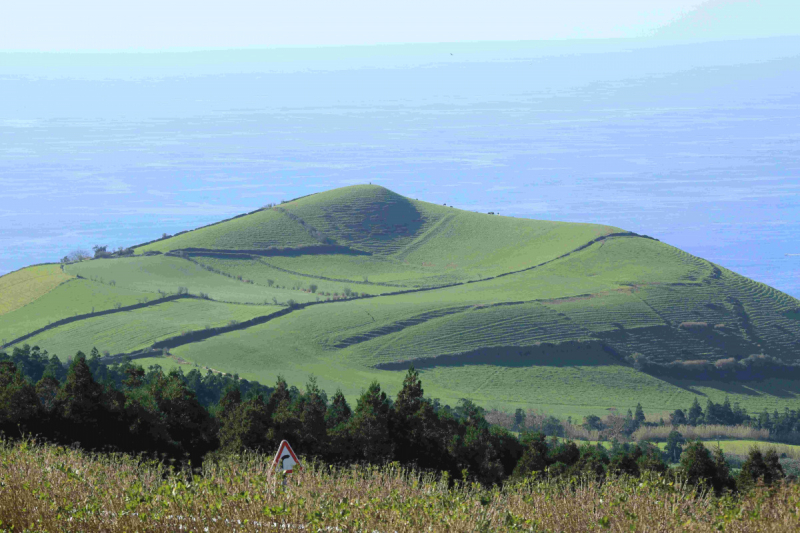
(24,286)
(252,232)
(77,296)
(132,330)
(163,273)
(630,293)
(260,272)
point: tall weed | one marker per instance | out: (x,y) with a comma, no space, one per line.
(49,488)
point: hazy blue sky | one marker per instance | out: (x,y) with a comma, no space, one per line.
(58,25)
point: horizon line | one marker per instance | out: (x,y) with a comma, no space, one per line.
(190,49)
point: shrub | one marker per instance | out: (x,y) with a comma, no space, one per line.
(693,325)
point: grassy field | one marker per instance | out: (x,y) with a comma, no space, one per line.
(75,297)
(262,273)
(24,286)
(517,312)
(139,328)
(253,232)
(167,274)
(167,364)
(587,383)
(49,488)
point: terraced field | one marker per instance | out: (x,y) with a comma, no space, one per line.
(509,312)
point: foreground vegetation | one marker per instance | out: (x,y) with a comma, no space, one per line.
(401,464)
(52,488)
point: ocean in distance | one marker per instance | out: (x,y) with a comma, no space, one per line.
(697,145)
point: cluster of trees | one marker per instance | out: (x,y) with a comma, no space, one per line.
(159,413)
(779,424)
(100,252)
(34,363)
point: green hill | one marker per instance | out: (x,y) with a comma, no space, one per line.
(509,312)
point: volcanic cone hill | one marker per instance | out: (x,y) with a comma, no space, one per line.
(356,283)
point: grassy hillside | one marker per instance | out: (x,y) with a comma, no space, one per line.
(24,286)
(168,274)
(75,297)
(509,312)
(137,329)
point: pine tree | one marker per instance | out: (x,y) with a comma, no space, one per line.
(18,401)
(410,397)
(695,415)
(674,447)
(230,401)
(697,464)
(369,426)
(81,397)
(639,416)
(312,408)
(339,411)
(280,397)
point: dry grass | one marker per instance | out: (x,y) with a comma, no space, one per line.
(571,431)
(707,432)
(47,488)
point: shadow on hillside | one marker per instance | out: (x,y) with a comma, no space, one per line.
(565,354)
(770,387)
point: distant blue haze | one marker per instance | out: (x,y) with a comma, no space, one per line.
(697,145)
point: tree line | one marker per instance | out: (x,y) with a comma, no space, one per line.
(138,411)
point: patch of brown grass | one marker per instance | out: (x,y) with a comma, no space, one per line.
(705,432)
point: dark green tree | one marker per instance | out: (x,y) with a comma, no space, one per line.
(312,407)
(639,414)
(534,456)
(19,404)
(758,467)
(339,411)
(410,397)
(674,446)
(369,426)
(695,415)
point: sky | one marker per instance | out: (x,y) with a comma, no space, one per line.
(153,25)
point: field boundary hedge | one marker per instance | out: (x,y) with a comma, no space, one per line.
(317,249)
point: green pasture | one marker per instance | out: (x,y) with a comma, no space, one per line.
(257,231)
(167,364)
(262,273)
(24,286)
(588,383)
(375,269)
(127,331)
(167,274)
(74,297)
